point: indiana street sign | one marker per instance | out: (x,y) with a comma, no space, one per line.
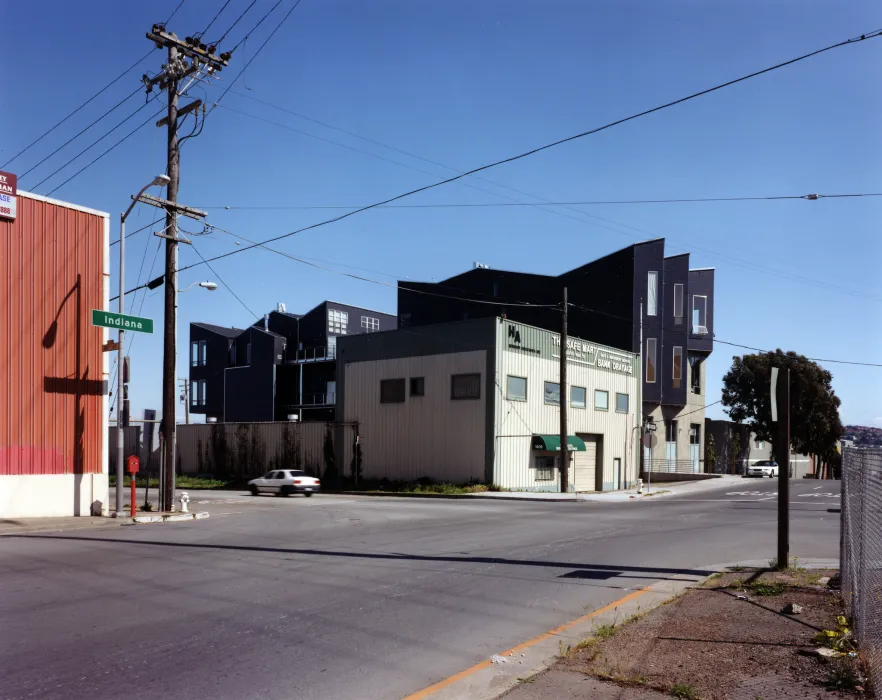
(123,322)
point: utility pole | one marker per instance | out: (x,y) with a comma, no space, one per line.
(176,69)
(185,396)
(780,396)
(564,445)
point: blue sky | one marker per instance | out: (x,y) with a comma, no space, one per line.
(462,84)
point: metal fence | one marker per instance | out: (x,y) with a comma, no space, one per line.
(672,466)
(861,550)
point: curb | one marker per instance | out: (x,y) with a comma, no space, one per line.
(394,494)
(168,518)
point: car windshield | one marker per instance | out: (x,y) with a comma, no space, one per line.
(293,473)
(765,463)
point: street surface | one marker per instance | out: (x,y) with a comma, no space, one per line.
(353,597)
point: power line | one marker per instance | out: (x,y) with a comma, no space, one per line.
(53,128)
(83,131)
(129,235)
(540,148)
(221,280)
(245,12)
(257,53)
(747,264)
(97,158)
(223,7)
(254,28)
(92,145)
(457,205)
(171,16)
(509,303)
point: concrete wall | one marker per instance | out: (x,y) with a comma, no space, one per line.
(431,435)
(52,495)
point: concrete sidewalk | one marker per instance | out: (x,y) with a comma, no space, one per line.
(22,525)
(662,490)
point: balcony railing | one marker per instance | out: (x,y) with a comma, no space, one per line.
(673,466)
(317,354)
(328,399)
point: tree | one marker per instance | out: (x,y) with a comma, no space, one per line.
(815,427)
(735,452)
(710,453)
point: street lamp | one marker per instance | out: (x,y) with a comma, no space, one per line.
(210,286)
(158,181)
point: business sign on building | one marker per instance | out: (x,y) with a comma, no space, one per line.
(545,344)
(8,195)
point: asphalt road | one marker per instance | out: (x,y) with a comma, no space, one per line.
(352,597)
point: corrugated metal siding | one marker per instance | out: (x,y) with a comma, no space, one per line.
(429,435)
(252,449)
(516,421)
(51,363)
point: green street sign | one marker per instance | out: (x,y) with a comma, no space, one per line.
(122,322)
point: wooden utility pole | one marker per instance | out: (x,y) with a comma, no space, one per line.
(780,404)
(564,444)
(177,68)
(169,351)
(185,397)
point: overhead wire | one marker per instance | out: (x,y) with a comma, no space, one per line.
(221,280)
(546,146)
(213,19)
(84,130)
(260,48)
(129,235)
(104,153)
(513,304)
(87,102)
(254,28)
(171,16)
(460,205)
(238,19)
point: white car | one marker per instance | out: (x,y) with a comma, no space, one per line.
(284,482)
(764,467)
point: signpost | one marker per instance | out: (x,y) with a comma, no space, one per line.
(649,440)
(8,195)
(133,465)
(108,319)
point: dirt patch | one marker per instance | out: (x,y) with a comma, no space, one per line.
(726,640)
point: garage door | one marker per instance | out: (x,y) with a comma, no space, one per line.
(585,465)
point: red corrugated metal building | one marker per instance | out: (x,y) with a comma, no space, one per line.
(53,372)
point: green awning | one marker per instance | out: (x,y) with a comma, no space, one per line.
(551,443)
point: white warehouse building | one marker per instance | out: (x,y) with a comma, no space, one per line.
(479,400)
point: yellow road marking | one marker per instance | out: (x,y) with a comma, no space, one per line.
(426,692)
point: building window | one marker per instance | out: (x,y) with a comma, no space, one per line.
(650,360)
(552,393)
(516,388)
(465,386)
(197,392)
(652,294)
(232,351)
(695,434)
(677,373)
(198,350)
(601,400)
(545,468)
(338,321)
(695,373)
(760,445)
(417,386)
(699,315)
(369,323)
(248,354)
(678,304)
(391,391)
(671,431)
(621,403)
(578,396)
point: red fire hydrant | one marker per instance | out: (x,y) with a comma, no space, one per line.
(133,465)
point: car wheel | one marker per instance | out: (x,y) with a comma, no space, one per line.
(254,491)
(286,491)
(307,493)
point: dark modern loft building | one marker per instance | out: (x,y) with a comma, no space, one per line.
(284,364)
(606,298)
